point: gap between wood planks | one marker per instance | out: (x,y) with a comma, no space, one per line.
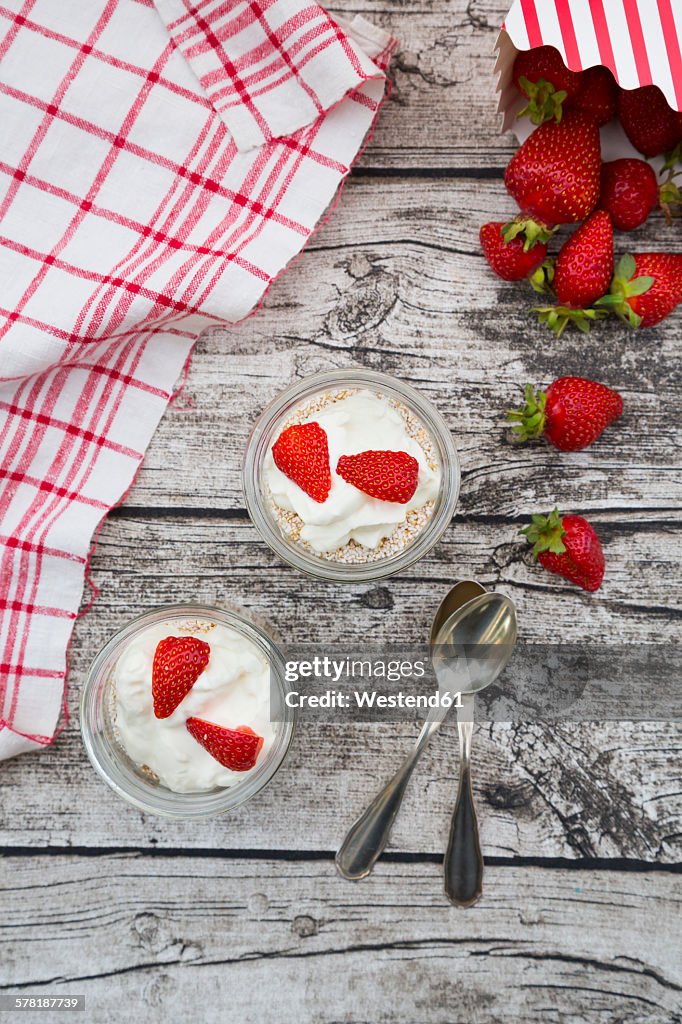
(493,173)
(208,853)
(493,519)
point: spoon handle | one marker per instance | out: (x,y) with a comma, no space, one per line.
(368,836)
(463,864)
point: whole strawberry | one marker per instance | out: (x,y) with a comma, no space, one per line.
(541,76)
(236,749)
(301,452)
(584,266)
(582,274)
(554,175)
(178,663)
(389,476)
(597,96)
(569,547)
(571,413)
(629,191)
(645,289)
(510,256)
(651,125)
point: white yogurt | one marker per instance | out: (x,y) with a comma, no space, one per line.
(233,690)
(362,422)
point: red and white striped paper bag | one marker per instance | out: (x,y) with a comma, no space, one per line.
(639,40)
(158,168)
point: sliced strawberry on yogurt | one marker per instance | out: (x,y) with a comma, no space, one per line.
(236,749)
(301,452)
(389,476)
(178,663)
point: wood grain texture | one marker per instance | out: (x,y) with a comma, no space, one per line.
(395,282)
(580,792)
(400,286)
(442,111)
(271,940)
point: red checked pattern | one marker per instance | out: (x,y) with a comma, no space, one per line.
(268,71)
(129,221)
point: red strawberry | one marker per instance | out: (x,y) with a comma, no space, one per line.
(584,266)
(301,452)
(541,75)
(178,663)
(651,125)
(629,191)
(236,749)
(582,274)
(509,253)
(389,476)
(597,96)
(554,175)
(572,413)
(569,547)
(645,289)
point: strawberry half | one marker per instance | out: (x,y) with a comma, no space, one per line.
(568,547)
(571,414)
(301,452)
(178,663)
(389,476)
(236,749)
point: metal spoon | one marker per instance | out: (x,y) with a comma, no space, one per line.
(368,836)
(472,647)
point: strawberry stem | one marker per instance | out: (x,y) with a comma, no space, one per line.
(673,160)
(529,420)
(669,192)
(546,533)
(557,317)
(542,277)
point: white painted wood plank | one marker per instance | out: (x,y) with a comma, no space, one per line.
(577,791)
(261,941)
(442,112)
(395,282)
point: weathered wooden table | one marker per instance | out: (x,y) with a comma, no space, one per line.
(244,918)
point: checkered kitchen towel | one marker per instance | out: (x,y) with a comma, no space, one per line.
(159,165)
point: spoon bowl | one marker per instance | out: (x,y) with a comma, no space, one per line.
(482,634)
(456,597)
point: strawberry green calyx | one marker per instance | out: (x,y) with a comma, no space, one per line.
(529,420)
(557,317)
(546,533)
(544,101)
(673,160)
(670,199)
(542,277)
(531,230)
(669,192)
(624,286)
